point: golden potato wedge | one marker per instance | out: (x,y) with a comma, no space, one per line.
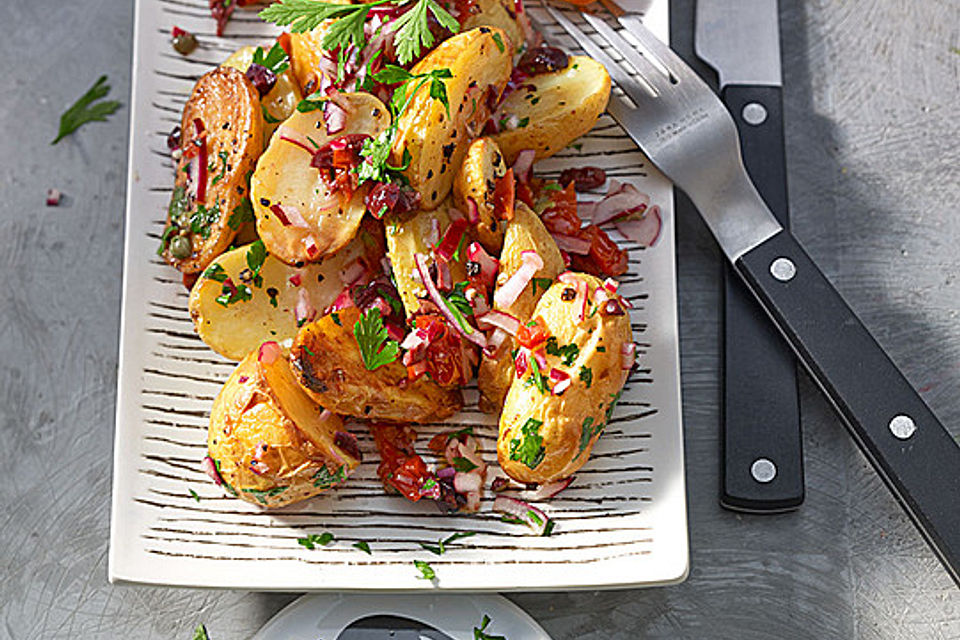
(233,311)
(524,233)
(268,442)
(543,436)
(409,235)
(436,140)
(285,179)
(563,106)
(222,130)
(307,53)
(477,180)
(280,103)
(500,14)
(328,362)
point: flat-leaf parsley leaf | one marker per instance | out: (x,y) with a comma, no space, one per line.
(84,110)
(375,348)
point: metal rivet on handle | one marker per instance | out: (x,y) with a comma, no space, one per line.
(763,470)
(902,426)
(754,113)
(783,269)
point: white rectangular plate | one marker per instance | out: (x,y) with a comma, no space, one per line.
(621,523)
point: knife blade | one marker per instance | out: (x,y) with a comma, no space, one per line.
(386,627)
(761,467)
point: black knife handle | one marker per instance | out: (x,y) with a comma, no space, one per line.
(761,446)
(910,449)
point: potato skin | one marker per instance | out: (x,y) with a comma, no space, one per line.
(477,179)
(499,14)
(229,107)
(270,442)
(571,423)
(284,177)
(570,101)
(524,233)
(411,234)
(435,141)
(328,363)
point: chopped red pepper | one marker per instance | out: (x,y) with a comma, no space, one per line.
(533,337)
(400,467)
(503,196)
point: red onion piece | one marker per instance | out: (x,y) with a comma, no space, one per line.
(489,266)
(572,244)
(546,491)
(494,341)
(451,239)
(507,294)
(473,336)
(541,359)
(500,320)
(53,197)
(523,164)
(201,175)
(473,213)
(561,386)
(335,116)
(628,355)
(622,200)
(611,285)
(412,341)
(269,352)
(446,472)
(304,311)
(522,362)
(352,272)
(468,482)
(531,516)
(310,244)
(289,216)
(296,279)
(293,137)
(644,231)
(210,468)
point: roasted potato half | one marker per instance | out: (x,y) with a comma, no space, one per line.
(233,311)
(500,14)
(268,442)
(559,108)
(544,436)
(409,235)
(280,103)
(436,141)
(299,217)
(307,53)
(524,233)
(476,180)
(221,138)
(328,363)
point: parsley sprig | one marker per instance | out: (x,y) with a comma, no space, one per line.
(276,59)
(441,547)
(376,349)
(413,29)
(87,109)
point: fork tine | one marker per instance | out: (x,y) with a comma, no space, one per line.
(661,53)
(647,70)
(624,81)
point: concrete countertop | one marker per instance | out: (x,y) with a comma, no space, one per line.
(872,98)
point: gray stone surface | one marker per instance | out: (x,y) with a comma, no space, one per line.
(873,126)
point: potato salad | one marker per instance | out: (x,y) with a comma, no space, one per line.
(356,214)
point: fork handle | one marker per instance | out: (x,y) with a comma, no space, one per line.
(760,427)
(900,436)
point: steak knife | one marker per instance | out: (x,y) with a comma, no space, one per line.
(761,446)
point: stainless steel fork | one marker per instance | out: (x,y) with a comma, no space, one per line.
(686,131)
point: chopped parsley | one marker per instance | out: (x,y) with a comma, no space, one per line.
(567,353)
(376,349)
(480,633)
(587,430)
(256,255)
(170,231)
(275,59)
(243,212)
(268,117)
(441,547)
(463,464)
(261,495)
(202,218)
(543,283)
(223,155)
(314,540)
(426,571)
(586,375)
(231,293)
(528,447)
(499,41)
(336,319)
(193,494)
(200,633)
(537,378)
(323,479)
(363,546)
(615,398)
(87,109)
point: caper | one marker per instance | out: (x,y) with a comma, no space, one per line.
(181,247)
(185,43)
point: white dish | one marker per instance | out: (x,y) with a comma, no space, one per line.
(456,615)
(621,523)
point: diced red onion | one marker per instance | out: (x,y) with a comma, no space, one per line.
(296,279)
(560,387)
(488,264)
(310,244)
(447,472)
(572,244)
(499,484)
(531,516)
(612,308)
(434,236)
(289,216)
(628,355)
(293,137)
(541,359)
(468,450)
(522,362)
(243,379)
(611,285)
(269,352)
(494,341)
(192,171)
(622,200)
(468,482)
(335,116)
(500,320)
(444,279)
(473,336)
(644,231)
(561,379)
(508,293)
(210,468)
(412,341)
(523,164)
(547,490)
(343,301)
(53,197)
(473,213)
(451,239)
(304,311)
(352,272)
(201,175)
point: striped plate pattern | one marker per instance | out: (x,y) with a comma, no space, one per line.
(621,523)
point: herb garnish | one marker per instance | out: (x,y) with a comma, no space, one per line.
(463,464)
(262,494)
(313,540)
(202,218)
(537,378)
(223,155)
(243,212)
(200,633)
(426,571)
(587,430)
(324,479)
(441,547)
(231,293)
(480,633)
(363,546)
(84,110)
(215,272)
(543,283)
(568,353)
(376,349)
(256,255)
(586,375)
(275,59)
(528,448)
(193,494)
(413,29)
